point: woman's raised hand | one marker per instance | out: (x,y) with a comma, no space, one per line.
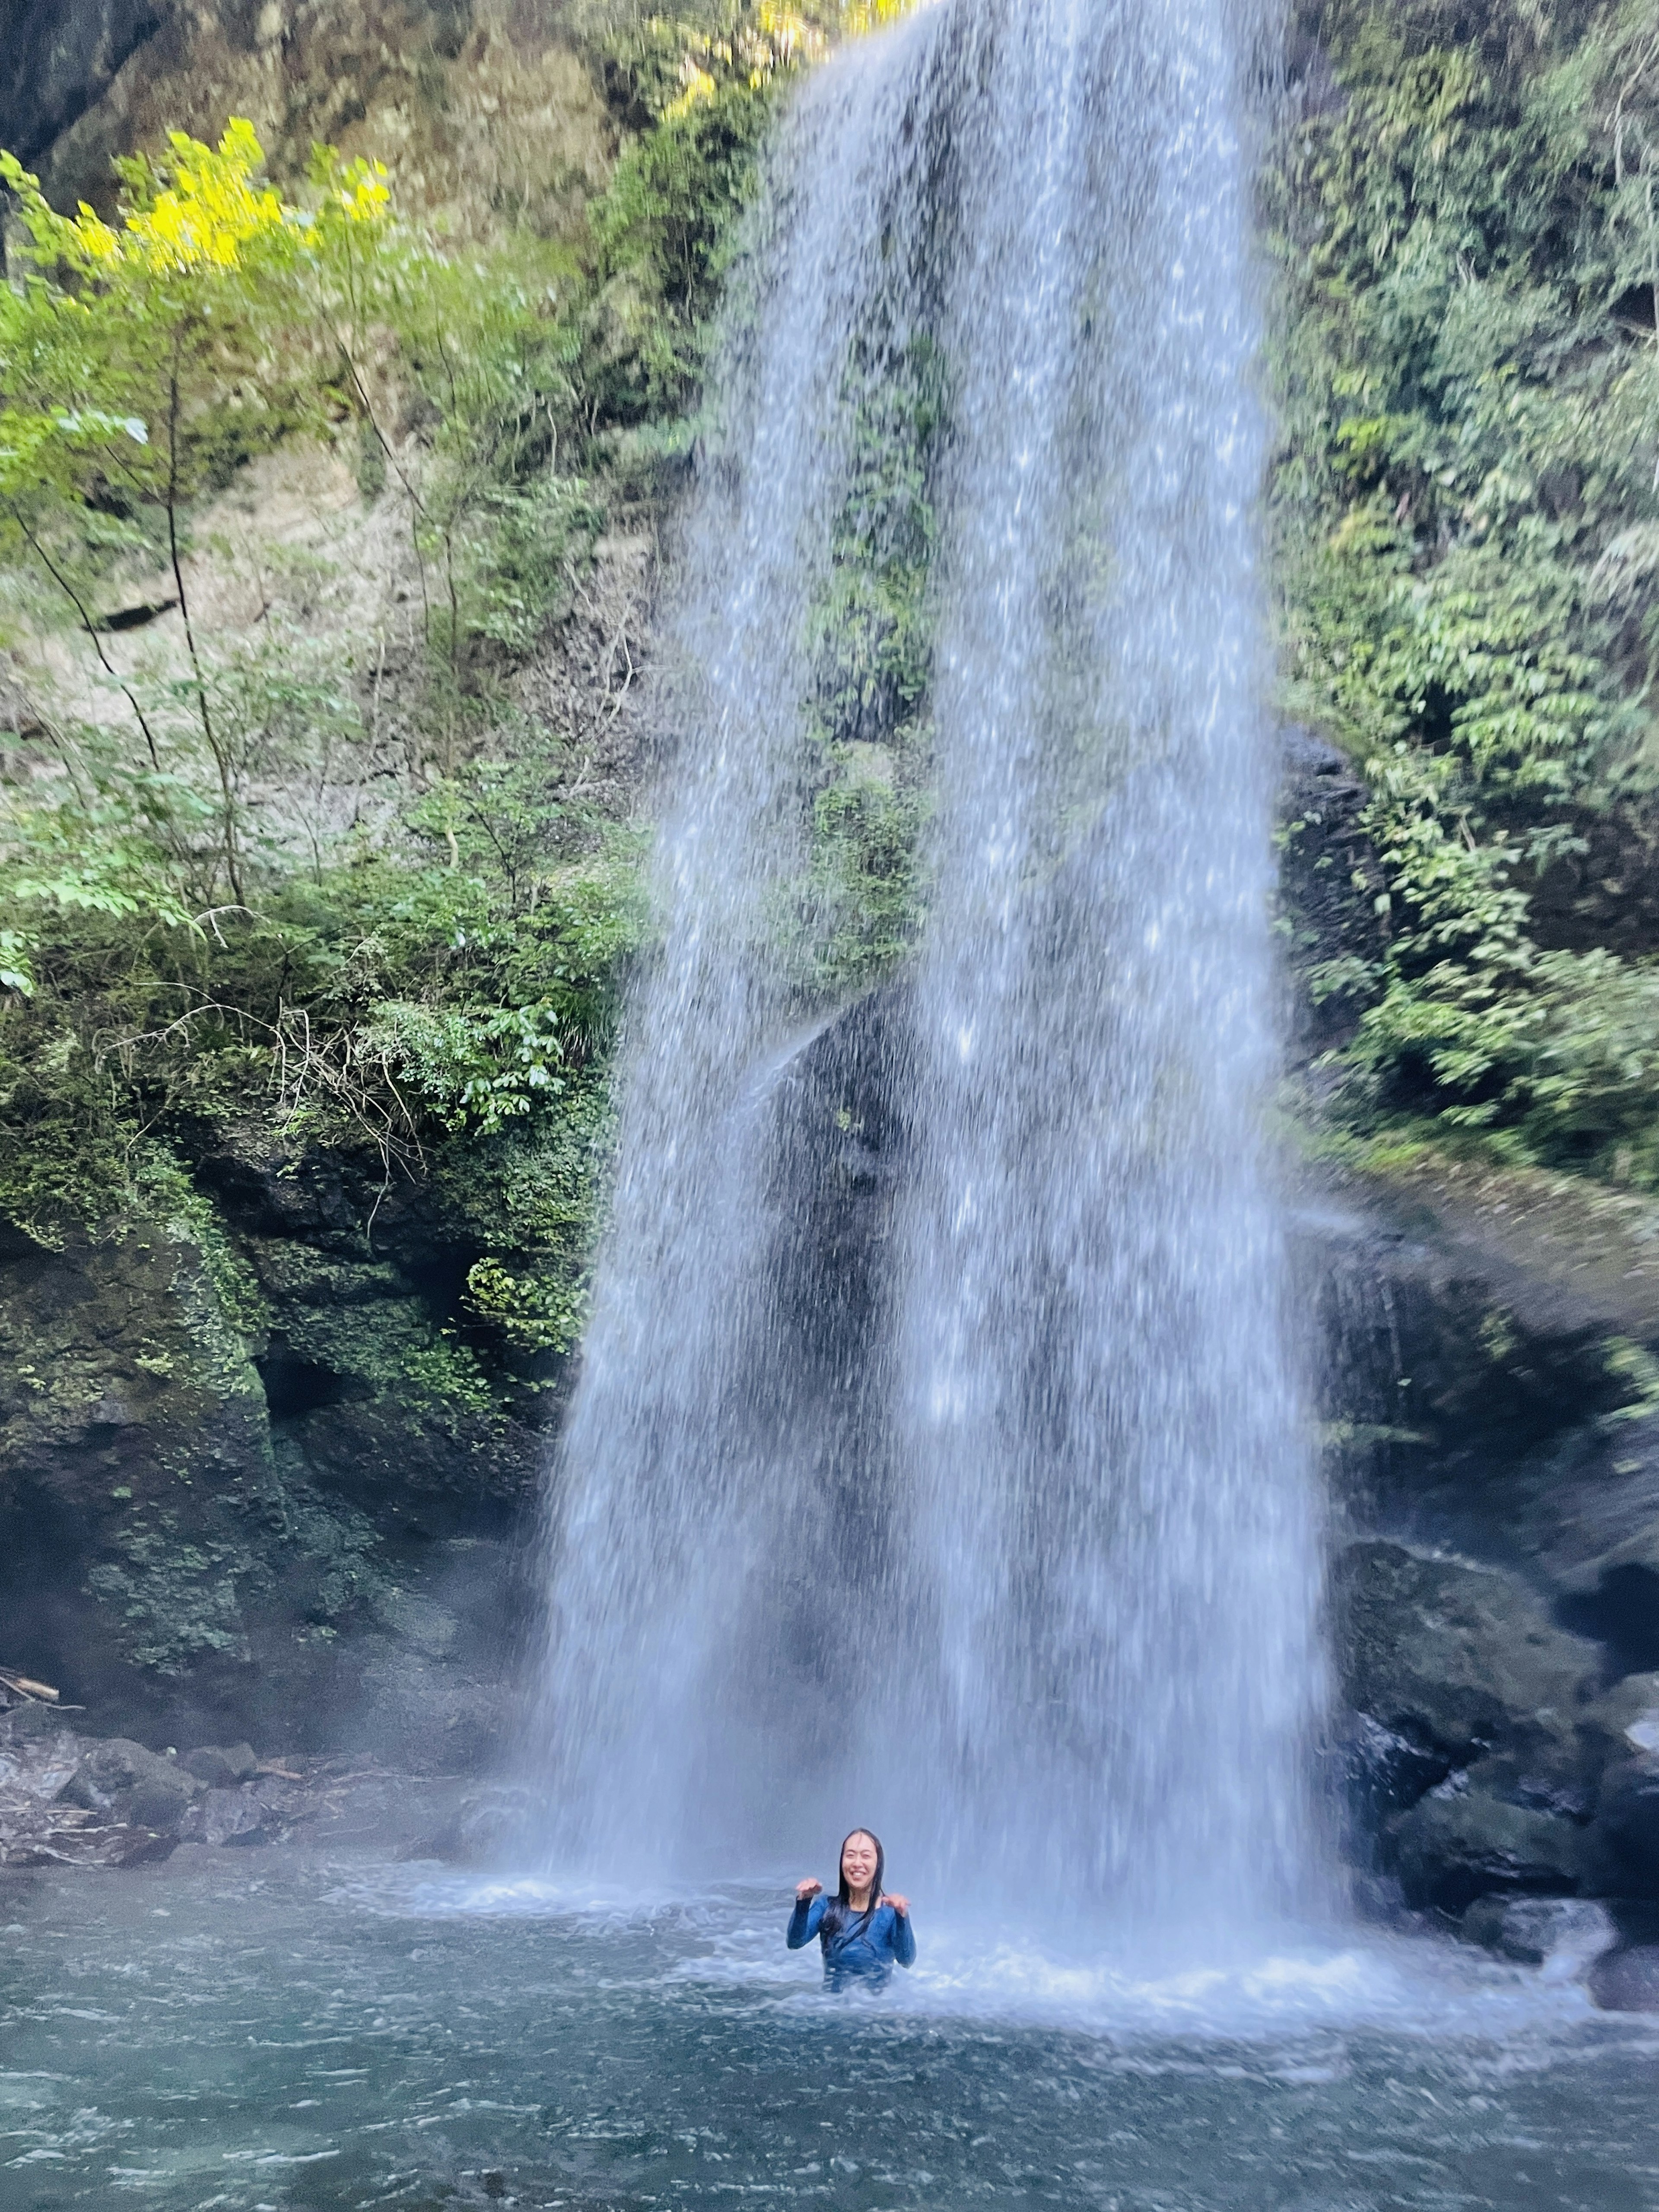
(900,1904)
(810,1887)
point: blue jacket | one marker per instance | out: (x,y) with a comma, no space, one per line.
(865,1950)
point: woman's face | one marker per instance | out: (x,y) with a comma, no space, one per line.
(857,1861)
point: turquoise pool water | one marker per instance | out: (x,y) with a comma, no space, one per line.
(273,2032)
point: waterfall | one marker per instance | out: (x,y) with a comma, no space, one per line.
(1030,1573)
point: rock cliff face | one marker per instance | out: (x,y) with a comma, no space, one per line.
(57,60)
(231,1503)
(1495,1442)
(477,107)
(1490,1403)
(1489,1345)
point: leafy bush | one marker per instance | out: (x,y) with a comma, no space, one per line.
(1466,500)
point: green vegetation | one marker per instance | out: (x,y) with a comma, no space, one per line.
(1467,509)
(870,640)
(267,886)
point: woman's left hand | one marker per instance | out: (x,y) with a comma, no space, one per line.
(900,1904)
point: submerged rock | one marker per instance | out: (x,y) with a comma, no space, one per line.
(1536,1931)
(489,1824)
(1626,1980)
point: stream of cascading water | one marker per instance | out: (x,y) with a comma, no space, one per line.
(1112,1563)
(675,1494)
(1066,1645)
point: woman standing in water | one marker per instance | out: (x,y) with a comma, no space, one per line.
(863,1934)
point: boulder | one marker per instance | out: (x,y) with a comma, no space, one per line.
(1459,1659)
(1624,1723)
(1626,1980)
(34,1722)
(230,1816)
(138,1786)
(1457,1845)
(1385,1769)
(491,1824)
(1627,1826)
(221,1767)
(1536,1931)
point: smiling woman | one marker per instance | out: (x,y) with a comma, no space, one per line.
(864,1932)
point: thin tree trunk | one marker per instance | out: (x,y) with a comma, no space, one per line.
(233,863)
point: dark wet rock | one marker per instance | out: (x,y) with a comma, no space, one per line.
(1627,1979)
(1385,1769)
(157,1802)
(1488,1397)
(1457,1659)
(1551,1777)
(1327,873)
(57,56)
(1533,1930)
(41,1822)
(34,1720)
(222,1561)
(232,1816)
(1627,1826)
(1455,1846)
(1624,1722)
(122,1778)
(221,1765)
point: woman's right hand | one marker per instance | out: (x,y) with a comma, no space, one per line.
(810,1887)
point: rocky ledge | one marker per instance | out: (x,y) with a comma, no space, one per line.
(1492,1424)
(72,1800)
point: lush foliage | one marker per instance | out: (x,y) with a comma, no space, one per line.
(209,938)
(189,950)
(872,644)
(1468,507)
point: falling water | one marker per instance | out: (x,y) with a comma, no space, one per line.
(1030,1570)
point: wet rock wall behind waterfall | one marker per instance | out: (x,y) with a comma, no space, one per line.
(1489,1352)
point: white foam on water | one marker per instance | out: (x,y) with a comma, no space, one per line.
(1306,1983)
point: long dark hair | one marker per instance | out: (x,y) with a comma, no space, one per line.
(839,1911)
